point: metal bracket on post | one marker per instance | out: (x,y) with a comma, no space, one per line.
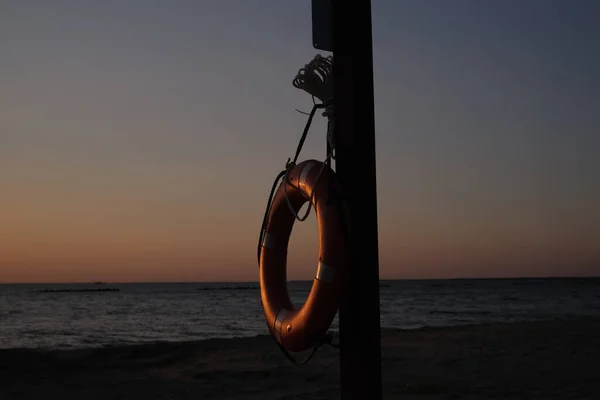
(322,25)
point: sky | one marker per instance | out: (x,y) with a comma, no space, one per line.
(139,139)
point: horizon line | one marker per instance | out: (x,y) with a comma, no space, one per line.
(303,280)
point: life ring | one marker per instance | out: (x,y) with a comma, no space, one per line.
(299,329)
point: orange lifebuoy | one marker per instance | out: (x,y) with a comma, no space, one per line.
(299,329)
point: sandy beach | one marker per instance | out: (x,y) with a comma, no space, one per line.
(525,360)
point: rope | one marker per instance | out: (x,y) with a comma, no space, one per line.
(267,212)
(315,78)
(312,193)
(328,340)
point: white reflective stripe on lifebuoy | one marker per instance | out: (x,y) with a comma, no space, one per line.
(269,240)
(325,272)
(304,175)
(277,325)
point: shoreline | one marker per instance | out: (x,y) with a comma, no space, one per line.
(222,340)
(532,359)
(384,331)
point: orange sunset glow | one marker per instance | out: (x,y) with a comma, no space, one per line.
(142,148)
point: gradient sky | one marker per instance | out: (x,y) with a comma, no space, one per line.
(139,139)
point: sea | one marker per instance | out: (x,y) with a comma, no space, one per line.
(66,316)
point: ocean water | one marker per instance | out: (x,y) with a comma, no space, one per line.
(140,313)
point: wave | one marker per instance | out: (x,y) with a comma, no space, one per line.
(229,288)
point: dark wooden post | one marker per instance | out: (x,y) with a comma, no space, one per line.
(360,334)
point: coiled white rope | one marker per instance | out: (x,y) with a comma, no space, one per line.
(315,78)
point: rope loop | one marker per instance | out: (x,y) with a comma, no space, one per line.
(312,193)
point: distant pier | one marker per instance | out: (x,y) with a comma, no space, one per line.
(77,290)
